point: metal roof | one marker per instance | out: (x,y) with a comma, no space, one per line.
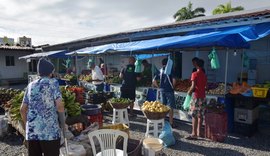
(246,17)
(3,47)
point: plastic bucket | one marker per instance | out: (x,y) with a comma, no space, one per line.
(152,147)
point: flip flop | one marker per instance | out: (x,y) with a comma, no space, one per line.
(190,137)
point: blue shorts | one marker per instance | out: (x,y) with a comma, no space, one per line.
(168,99)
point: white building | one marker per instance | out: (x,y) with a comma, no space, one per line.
(11,68)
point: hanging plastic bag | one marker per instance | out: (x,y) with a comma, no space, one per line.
(186,105)
(169,65)
(245,60)
(214,59)
(138,66)
(167,135)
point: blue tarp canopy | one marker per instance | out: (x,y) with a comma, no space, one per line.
(231,37)
(51,54)
(147,56)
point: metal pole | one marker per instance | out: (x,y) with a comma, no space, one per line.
(242,64)
(152,65)
(226,71)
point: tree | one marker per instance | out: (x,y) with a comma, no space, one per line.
(222,9)
(188,13)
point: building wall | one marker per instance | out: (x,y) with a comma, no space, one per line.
(17,71)
(259,50)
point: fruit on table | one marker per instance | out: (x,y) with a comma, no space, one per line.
(87,78)
(14,109)
(154,106)
(120,100)
(239,89)
(219,90)
(73,108)
(182,85)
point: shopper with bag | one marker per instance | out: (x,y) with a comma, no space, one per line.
(167,83)
(198,102)
(41,111)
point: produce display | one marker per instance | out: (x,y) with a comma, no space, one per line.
(212,88)
(120,100)
(79,92)
(7,94)
(115,79)
(219,90)
(154,106)
(239,88)
(87,78)
(14,105)
(73,108)
(182,85)
(71,78)
(215,107)
(120,103)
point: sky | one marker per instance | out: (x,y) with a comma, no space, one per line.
(57,21)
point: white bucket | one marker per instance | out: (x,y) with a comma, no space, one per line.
(73,150)
(152,147)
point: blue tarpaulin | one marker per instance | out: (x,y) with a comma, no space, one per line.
(233,37)
(147,56)
(51,54)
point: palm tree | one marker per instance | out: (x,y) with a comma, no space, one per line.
(188,13)
(222,9)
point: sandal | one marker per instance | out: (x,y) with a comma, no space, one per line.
(191,137)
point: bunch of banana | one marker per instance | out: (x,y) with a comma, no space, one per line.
(73,108)
(14,109)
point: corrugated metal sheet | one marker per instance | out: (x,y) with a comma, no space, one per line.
(16,48)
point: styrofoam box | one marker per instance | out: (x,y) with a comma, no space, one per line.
(246,116)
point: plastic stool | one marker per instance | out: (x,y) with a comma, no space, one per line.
(121,115)
(156,127)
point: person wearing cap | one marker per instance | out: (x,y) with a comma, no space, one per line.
(97,77)
(41,111)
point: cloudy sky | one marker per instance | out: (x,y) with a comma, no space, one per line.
(56,21)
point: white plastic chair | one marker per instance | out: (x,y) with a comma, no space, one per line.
(107,140)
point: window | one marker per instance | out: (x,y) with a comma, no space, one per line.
(33,66)
(10,61)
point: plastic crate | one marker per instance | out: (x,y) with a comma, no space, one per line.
(246,129)
(96,118)
(246,116)
(259,92)
(216,126)
(245,103)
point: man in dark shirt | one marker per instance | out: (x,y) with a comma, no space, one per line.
(128,88)
(167,83)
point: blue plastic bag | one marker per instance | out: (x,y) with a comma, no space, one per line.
(167,135)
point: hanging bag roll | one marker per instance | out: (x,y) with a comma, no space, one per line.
(168,68)
(214,59)
(138,66)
